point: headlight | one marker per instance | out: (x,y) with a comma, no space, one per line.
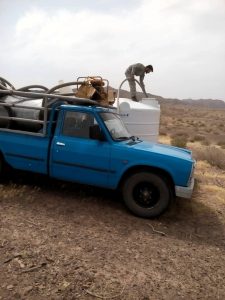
(192,172)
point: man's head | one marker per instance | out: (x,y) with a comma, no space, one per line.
(148,69)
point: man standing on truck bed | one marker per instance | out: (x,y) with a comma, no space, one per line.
(137,70)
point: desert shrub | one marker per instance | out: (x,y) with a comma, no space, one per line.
(191,139)
(162,132)
(199,138)
(208,130)
(205,142)
(213,155)
(180,134)
(179,141)
(221,143)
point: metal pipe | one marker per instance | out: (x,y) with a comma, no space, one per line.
(25,88)
(22,106)
(63,85)
(45,96)
(23,132)
(22,119)
(91,77)
(118,94)
(45,100)
(3,87)
(3,80)
(53,96)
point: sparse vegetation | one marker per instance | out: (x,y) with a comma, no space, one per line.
(65,241)
(213,155)
(199,138)
(162,132)
(201,124)
(221,143)
(205,143)
(179,141)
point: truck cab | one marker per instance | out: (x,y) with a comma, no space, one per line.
(91,145)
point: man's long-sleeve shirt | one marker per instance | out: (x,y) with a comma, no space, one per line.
(136,70)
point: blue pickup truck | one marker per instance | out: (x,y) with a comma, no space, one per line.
(89,144)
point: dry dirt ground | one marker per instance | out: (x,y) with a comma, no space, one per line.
(66,241)
(197,123)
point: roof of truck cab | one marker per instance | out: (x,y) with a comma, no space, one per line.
(89,108)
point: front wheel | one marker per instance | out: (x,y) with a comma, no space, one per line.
(147,195)
(1,167)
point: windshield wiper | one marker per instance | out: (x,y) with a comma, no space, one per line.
(134,138)
(123,138)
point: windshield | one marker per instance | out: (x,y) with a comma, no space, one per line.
(115,126)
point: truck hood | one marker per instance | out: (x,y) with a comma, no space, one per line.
(162,149)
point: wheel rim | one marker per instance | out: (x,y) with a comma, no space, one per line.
(146,195)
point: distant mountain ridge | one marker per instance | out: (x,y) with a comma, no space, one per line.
(211,103)
(206,103)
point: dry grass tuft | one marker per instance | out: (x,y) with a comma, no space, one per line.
(213,155)
(199,137)
(200,124)
(179,141)
(221,143)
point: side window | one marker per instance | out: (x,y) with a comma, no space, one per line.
(77,124)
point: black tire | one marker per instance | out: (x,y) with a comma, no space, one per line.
(146,194)
(1,166)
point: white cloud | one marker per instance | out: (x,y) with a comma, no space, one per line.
(170,34)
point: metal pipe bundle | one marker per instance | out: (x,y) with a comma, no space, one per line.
(27,108)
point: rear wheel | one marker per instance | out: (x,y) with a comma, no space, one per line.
(146,194)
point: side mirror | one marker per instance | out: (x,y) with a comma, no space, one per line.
(95,133)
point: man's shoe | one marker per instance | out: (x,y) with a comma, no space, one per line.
(134,99)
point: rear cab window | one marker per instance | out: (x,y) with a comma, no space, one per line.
(77,124)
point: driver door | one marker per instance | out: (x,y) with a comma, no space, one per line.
(76,157)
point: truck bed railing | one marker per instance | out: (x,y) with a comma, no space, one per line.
(42,93)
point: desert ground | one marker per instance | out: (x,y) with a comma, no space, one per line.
(67,241)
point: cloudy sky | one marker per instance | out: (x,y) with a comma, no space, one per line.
(43,41)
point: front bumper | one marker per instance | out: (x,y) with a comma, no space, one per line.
(185,191)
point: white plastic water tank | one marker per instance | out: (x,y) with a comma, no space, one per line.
(141,118)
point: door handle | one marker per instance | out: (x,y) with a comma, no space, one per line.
(60,144)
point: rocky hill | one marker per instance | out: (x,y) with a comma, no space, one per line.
(210,103)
